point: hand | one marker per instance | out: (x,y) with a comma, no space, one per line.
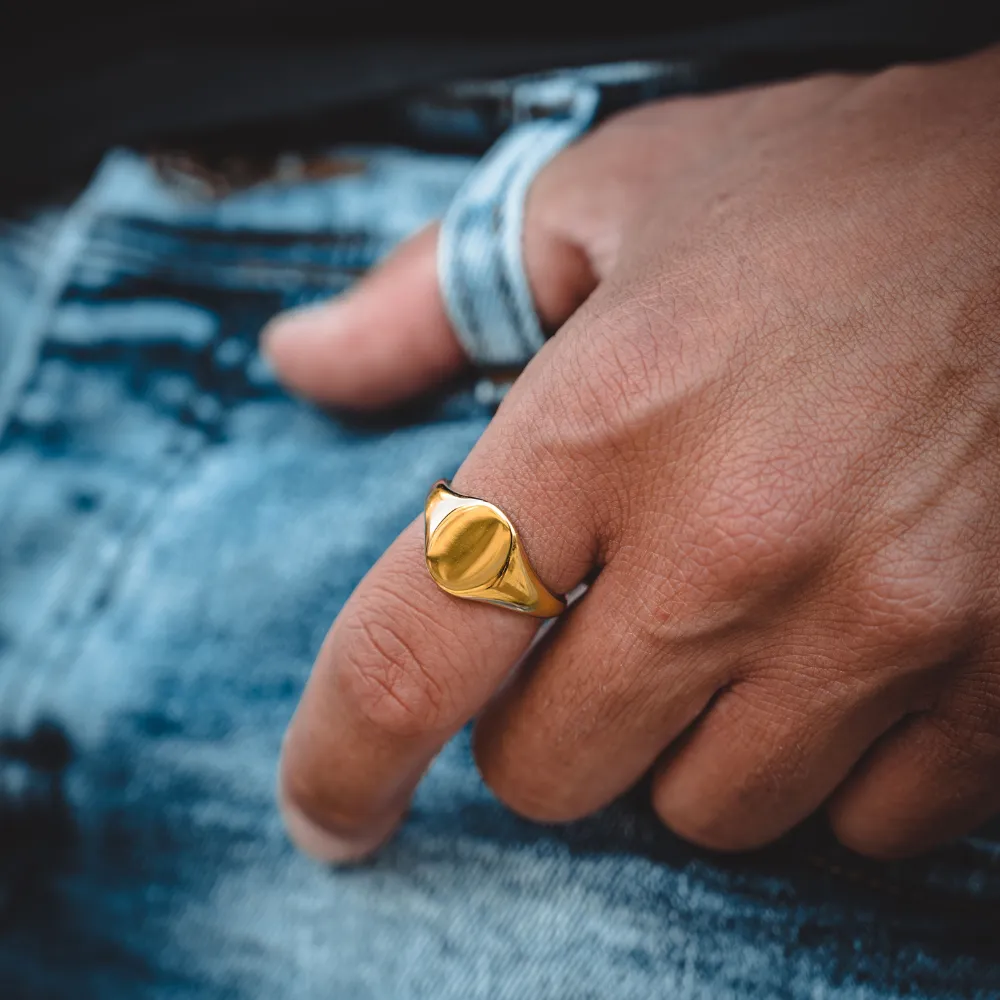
(770,420)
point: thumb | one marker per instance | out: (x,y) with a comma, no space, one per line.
(384,340)
(389,337)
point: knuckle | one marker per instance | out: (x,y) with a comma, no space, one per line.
(969,729)
(763,523)
(533,798)
(758,773)
(749,542)
(638,371)
(387,680)
(722,818)
(909,601)
(746,554)
(882,842)
(535,792)
(709,823)
(764,520)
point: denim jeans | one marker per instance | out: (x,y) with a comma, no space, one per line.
(176,535)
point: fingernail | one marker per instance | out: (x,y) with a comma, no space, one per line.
(329,848)
(303,321)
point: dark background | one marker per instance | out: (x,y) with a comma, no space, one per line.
(75,81)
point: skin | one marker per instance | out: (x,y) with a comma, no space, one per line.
(769,422)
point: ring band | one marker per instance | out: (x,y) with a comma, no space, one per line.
(474,551)
(480,259)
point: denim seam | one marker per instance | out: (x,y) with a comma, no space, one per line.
(75,609)
(65,248)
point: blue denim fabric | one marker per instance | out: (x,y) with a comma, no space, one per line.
(176,535)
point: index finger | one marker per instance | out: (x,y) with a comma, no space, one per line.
(405,666)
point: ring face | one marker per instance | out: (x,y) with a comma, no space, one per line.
(473,551)
(469,547)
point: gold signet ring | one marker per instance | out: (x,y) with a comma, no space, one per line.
(473,551)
